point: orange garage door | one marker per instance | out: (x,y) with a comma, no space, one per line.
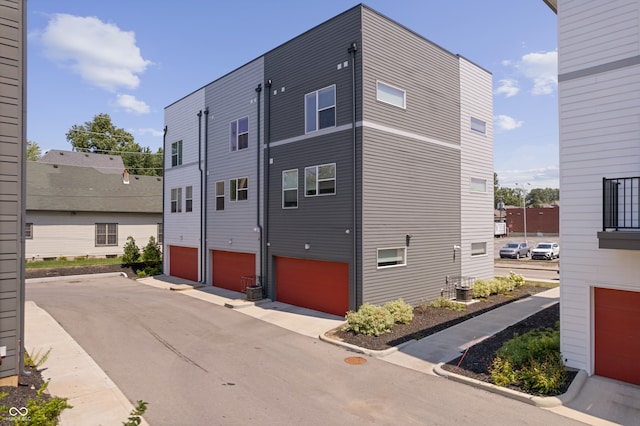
(617,334)
(229,267)
(313,284)
(184,262)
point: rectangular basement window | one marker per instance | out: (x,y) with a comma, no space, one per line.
(390,257)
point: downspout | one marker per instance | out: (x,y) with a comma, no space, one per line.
(258,226)
(201,195)
(353,49)
(204,196)
(164,153)
(267,186)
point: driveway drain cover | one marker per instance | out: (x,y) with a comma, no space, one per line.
(355,360)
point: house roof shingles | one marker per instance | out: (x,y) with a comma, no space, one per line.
(84,189)
(108,164)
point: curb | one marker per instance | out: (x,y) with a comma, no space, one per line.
(371,352)
(538,401)
(76,277)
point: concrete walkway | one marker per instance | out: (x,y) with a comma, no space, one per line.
(592,400)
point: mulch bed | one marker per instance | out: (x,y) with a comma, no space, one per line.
(18,396)
(79,270)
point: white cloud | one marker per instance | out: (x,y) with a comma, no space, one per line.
(149,131)
(508,87)
(102,54)
(504,122)
(131,104)
(542,69)
(543,177)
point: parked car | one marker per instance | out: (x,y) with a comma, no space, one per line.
(546,251)
(515,250)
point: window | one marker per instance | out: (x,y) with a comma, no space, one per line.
(478,125)
(239,134)
(478,249)
(391,95)
(392,257)
(478,185)
(106,234)
(220,195)
(290,189)
(188,199)
(176,153)
(176,200)
(160,233)
(28,231)
(320,180)
(320,109)
(239,189)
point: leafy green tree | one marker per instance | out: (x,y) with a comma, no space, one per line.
(101,136)
(131,252)
(151,252)
(33,151)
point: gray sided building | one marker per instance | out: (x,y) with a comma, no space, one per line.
(12,187)
(358,189)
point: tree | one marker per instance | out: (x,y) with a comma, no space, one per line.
(100,136)
(131,252)
(33,151)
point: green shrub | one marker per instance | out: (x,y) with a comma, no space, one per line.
(370,320)
(42,410)
(151,252)
(533,359)
(37,360)
(135,415)
(131,252)
(402,312)
(517,279)
(481,289)
(443,302)
(63,259)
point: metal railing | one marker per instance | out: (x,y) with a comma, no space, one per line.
(453,282)
(620,203)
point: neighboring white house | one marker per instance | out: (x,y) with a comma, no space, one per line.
(74,211)
(599,110)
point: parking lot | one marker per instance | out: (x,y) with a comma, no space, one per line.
(532,240)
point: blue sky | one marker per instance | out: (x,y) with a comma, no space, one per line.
(130,59)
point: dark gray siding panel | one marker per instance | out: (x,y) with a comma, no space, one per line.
(429,75)
(410,187)
(307,63)
(321,221)
(12,137)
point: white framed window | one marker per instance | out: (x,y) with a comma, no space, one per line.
(28,231)
(320,180)
(239,189)
(176,200)
(478,125)
(188,199)
(320,109)
(106,234)
(391,95)
(478,185)
(220,195)
(239,134)
(478,249)
(290,189)
(390,257)
(176,154)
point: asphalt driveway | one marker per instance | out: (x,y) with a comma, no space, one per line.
(201,364)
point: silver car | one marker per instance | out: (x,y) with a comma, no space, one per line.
(515,250)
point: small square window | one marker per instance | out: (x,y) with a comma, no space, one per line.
(478,125)
(478,185)
(106,234)
(478,249)
(28,231)
(391,95)
(320,180)
(388,257)
(239,189)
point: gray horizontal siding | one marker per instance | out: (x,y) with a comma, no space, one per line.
(428,74)
(409,188)
(307,63)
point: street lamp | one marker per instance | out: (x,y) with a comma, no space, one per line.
(524,207)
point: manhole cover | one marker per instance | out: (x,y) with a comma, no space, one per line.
(355,360)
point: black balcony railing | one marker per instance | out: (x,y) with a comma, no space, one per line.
(620,203)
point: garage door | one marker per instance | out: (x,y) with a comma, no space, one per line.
(183,262)
(617,334)
(230,267)
(313,284)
